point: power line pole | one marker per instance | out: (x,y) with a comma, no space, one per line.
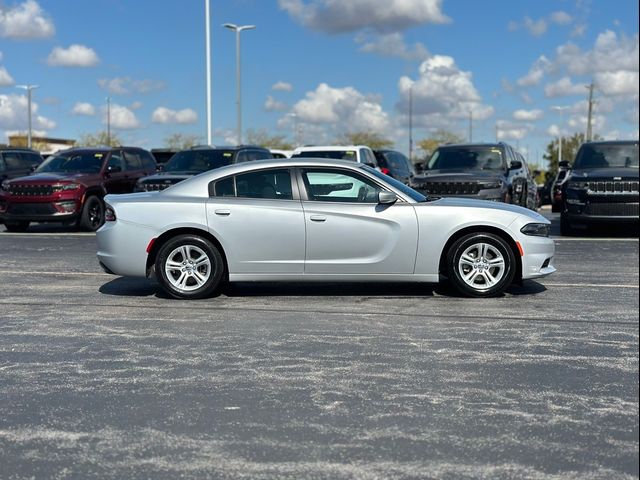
(590,112)
(411,123)
(109,121)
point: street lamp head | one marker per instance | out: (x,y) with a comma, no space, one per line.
(27,87)
(238,28)
(230,26)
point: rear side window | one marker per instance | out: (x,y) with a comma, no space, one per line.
(148,163)
(267,184)
(14,161)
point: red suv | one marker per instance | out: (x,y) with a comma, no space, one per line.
(69,187)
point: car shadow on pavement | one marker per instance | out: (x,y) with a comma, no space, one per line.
(141,287)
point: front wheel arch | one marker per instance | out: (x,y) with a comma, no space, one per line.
(442,266)
(169,234)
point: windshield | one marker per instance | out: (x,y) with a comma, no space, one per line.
(619,155)
(334,154)
(408,191)
(85,162)
(198,161)
(467,158)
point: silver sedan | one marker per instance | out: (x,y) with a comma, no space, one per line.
(310,220)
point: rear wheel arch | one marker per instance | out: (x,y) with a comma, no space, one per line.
(442,266)
(169,234)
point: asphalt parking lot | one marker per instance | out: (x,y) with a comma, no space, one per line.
(102,376)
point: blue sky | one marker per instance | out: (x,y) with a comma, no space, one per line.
(325,66)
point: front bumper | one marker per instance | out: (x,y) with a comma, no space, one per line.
(538,256)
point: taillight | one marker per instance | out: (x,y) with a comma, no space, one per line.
(386,171)
(109,214)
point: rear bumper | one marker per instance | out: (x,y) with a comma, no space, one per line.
(122,248)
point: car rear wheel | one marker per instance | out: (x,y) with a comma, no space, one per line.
(92,216)
(189,267)
(481,265)
(18,227)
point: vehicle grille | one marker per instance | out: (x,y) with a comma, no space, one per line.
(22,190)
(450,188)
(612,209)
(31,209)
(613,187)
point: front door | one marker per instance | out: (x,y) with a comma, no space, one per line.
(260,222)
(349,232)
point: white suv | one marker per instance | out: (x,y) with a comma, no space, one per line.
(355,153)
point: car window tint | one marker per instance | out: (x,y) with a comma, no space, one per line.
(132,161)
(148,163)
(115,160)
(339,186)
(13,160)
(274,184)
(2,164)
(225,187)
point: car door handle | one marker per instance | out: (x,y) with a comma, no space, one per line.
(318,218)
(223,212)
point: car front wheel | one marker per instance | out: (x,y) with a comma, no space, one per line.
(92,216)
(189,267)
(481,265)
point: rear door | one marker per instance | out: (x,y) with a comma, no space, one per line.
(116,178)
(260,221)
(348,232)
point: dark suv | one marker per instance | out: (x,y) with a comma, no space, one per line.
(395,164)
(193,161)
(69,186)
(17,162)
(492,171)
(602,186)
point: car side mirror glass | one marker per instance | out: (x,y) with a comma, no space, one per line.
(160,168)
(114,169)
(515,165)
(563,164)
(33,168)
(387,198)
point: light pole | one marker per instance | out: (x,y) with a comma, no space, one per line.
(208,54)
(28,88)
(238,29)
(561,110)
(411,123)
(108,121)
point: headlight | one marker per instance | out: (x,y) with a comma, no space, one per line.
(493,184)
(536,229)
(578,185)
(5,185)
(65,186)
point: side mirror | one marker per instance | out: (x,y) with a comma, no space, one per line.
(160,167)
(387,198)
(33,168)
(563,164)
(113,169)
(515,165)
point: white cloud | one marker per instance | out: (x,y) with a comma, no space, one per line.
(609,54)
(338,16)
(14,114)
(391,45)
(5,79)
(273,105)
(167,116)
(344,109)
(442,94)
(136,106)
(536,73)
(561,18)
(282,87)
(536,28)
(121,117)
(528,115)
(617,83)
(83,108)
(127,85)
(510,131)
(74,56)
(563,88)
(25,21)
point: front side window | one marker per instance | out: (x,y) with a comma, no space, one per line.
(132,161)
(85,162)
(115,161)
(266,184)
(333,185)
(13,160)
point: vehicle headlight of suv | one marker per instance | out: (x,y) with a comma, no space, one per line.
(536,229)
(5,185)
(62,187)
(577,185)
(491,184)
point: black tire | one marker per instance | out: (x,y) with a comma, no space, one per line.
(565,226)
(497,249)
(212,273)
(17,227)
(92,216)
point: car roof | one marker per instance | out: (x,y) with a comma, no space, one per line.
(319,148)
(471,145)
(612,142)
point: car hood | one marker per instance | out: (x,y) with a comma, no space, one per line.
(467,203)
(50,177)
(605,173)
(456,175)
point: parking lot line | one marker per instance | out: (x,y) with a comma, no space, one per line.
(593,239)
(596,285)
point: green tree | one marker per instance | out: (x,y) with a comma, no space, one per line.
(439,137)
(179,141)
(261,137)
(370,139)
(99,139)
